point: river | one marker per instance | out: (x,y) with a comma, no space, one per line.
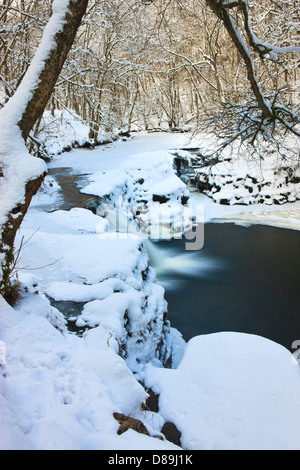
(243,279)
(249,283)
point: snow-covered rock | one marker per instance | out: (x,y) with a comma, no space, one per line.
(75,259)
(232,391)
(148,192)
(239,179)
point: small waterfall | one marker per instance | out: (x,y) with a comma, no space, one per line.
(163,260)
(156,255)
(167,261)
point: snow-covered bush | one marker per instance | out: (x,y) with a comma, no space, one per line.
(60,131)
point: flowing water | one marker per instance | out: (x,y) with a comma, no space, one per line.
(249,283)
(244,279)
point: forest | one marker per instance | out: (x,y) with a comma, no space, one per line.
(161,63)
(127,128)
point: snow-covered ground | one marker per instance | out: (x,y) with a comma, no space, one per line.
(119,157)
(285,216)
(240,181)
(59,389)
(60,131)
(231,391)
(263,189)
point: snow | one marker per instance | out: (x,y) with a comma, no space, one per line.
(154,168)
(70,256)
(286,216)
(119,154)
(59,389)
(62,130)
(17,165)
(16,106)
(49,188)
(247,182)
(47,369)
(50,405)
(137,191)
(232,391)
(133,182)
(270,48)
(242,189)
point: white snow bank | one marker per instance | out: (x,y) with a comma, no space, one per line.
(17,165)
(232,391)
(152,170)
(240,180)
(138,178)
(62,130)
(74,221)
(146,191)
(60,391)
(70,256)
(121,155)
(286,216)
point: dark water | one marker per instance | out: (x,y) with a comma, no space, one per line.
(70,189)
(252,286)
(254,290)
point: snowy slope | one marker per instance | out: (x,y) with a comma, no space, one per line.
(60,131)
(59,389)
(232,391)
(45,401)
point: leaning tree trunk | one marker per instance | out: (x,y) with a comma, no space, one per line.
(37,86)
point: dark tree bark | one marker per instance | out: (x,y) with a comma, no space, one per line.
(62,43)
(53,66)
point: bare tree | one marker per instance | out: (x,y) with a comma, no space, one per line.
(268,113)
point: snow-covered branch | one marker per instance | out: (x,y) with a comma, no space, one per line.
(259,46)
(270,111)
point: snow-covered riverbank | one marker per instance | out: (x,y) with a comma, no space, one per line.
(59,390)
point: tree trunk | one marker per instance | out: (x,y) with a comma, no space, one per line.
(50,67)
(53,65)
